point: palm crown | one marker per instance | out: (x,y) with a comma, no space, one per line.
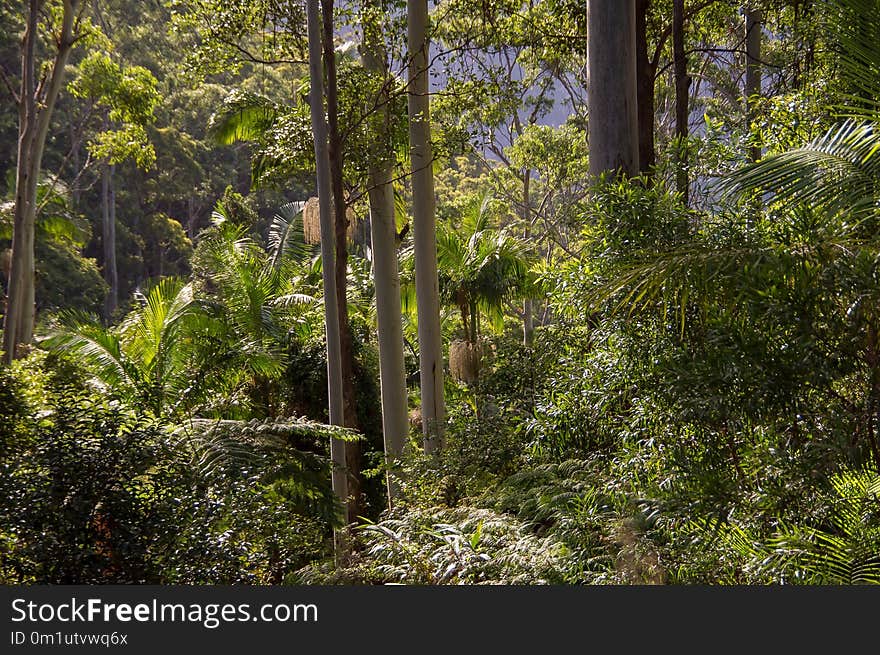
(480,267)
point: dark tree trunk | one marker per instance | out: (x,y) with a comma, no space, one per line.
(331,314)
(682,82)
(753,72)
(528,304)
(108,237)
(192,217)
(645,72)
(353,453)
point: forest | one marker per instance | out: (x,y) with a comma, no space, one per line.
(508,292)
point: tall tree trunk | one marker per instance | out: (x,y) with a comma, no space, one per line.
(108,237)
(192,217)
(331,311)
(385,269)
(35,105)
(805,40)
(528,303)
(346,356)
(613,113)
(108,213)
(682,82)
(424,228)
(76,160)
(645,72)
(753,19)
(392,374)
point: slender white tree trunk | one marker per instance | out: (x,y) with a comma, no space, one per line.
(528,303)
(424,229)
(385,267)
(392,375)
(331,314)
(35,105)
(611,95)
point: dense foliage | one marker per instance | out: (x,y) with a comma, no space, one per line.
(647,383)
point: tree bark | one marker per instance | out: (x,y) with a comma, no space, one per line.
(613,115)
(108,237)
(192,217)
(331,313)
(753,19)
(35,105)
(682,82)
(346,355)
(392,374)
(645,72)
(528,303)
(433,407)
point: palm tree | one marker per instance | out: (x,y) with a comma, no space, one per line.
(825,198)
(168,352)
(147,358)
(481,268)
(253,297)
(840,170)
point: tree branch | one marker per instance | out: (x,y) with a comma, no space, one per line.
(667,31)
(7,82)
(248,56)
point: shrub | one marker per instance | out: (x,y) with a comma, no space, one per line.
(97,493)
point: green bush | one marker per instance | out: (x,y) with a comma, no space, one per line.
(97,493)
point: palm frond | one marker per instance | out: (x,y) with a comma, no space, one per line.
(288,454)
(243,116)
(478,215)
(670,274)
(839,170)
(219,215)
(294,299)
(845,552)
(154,330)
(216,444)
(855,30)
(286,234)
(97,347)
